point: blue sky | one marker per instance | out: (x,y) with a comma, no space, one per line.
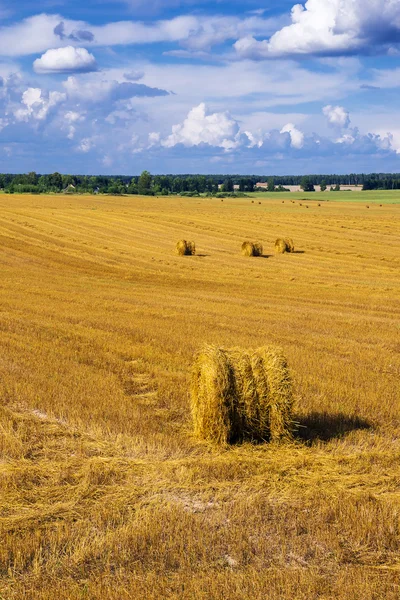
(176,86)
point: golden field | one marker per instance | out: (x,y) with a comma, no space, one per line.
(104,492)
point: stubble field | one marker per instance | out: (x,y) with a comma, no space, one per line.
(104,493)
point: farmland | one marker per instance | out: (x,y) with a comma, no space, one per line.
(105,494)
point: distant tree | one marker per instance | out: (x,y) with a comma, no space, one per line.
(144,184)
(32,178)
(271,185)
(337,188)
(227,186)
(55,181)
(307,185)
(132,187)
(323,185)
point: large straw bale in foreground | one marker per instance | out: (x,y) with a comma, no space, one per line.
(185,248)
(252,249)
(238,394)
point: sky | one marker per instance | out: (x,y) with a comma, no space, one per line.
(192,86)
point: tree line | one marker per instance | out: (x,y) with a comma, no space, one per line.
(147,184)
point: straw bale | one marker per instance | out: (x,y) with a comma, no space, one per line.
(252,249)
(238,395)
(185,248)
(281,246)
(289,244)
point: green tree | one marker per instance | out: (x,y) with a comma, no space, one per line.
(271,185)
(307,185)
(55,181)
(144,184)
(323,185)
(227,186)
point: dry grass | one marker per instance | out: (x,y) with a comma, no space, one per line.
(239,395)
(104,492)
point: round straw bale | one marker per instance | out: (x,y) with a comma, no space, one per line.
(289,244)
(281,246)
(258,249)
(185,248)
(252,249)
(192,248)
(238,394)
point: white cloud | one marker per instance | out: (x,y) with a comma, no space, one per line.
(154,139)
(329,27)
(41,32)
(337,116)
(97,91)
(36,104)
(72,118)
(296,136)
(202,127)
(85,145)
(65,60)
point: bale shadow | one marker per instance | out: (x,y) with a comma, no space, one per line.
(298,252)
(265,256)
(323,427)
(202,255)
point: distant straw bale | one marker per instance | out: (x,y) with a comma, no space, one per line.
(252,249)
(290,244)
(185,248)
(284,245)
(238,395)
(281,246)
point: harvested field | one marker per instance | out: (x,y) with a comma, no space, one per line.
(105,492)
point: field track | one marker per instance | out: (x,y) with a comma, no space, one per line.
(104,492)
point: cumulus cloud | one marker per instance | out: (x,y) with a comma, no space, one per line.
(296,136)
(36,104)
(222,132)
(337,116)
(66,60)
(203,127)
(329,27)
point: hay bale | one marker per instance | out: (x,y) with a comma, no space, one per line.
(192,248)
(185,248)
(281,246)
(238,395)
(252,249)
(289,244)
